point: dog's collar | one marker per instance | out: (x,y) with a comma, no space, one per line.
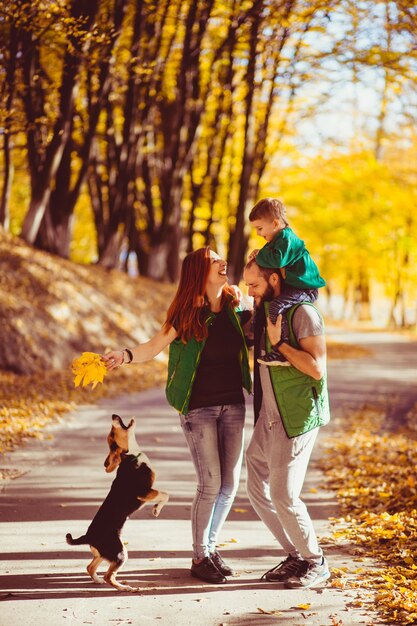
(133,456)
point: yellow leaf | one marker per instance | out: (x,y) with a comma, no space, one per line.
(304,607)
(88,368)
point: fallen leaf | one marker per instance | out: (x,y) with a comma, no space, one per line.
(268,612)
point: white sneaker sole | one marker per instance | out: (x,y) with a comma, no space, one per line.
(313,583)
(274,363)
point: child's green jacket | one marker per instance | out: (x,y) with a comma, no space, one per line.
(289,251)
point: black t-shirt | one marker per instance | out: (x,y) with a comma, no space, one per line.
(218,379)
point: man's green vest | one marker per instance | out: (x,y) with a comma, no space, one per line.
(303,401)
(183,362)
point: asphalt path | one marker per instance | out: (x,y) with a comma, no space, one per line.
(61,482)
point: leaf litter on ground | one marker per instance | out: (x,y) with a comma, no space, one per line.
(373,472)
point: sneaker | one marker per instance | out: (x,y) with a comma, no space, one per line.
(310,575)
(272,358)
(284,570)
(207,571)
(220,564)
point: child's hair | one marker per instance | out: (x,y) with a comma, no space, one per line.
(269,208)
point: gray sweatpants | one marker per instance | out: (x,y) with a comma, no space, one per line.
(276,467)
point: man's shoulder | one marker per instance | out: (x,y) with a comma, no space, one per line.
(307,321)
(306,308)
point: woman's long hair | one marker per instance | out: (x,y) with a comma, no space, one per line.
(187,313)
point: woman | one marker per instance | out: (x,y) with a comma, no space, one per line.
(208,366)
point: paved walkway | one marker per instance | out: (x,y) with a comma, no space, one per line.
(43,580)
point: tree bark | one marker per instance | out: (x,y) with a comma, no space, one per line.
(237,242)
(8,131)
(46,171)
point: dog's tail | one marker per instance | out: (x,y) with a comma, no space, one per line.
(76,542)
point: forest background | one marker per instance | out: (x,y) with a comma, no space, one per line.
(133,131)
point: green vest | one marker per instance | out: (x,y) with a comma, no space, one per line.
(303,401)
(183,362)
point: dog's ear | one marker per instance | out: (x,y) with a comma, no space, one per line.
(132,423)
(117,421)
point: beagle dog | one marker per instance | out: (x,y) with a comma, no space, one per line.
(130,490)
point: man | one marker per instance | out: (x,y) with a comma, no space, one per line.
(290,404)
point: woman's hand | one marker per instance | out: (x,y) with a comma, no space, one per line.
(113,359)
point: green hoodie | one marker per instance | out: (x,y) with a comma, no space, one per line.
(287,250)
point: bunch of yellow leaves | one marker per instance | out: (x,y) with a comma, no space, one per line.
(88,368)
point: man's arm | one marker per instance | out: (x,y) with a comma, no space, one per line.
(310,359)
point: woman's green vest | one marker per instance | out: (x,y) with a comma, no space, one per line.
(303,401)
(183,362)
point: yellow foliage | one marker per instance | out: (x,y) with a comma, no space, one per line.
(88,368)
(374,476)
(31,403)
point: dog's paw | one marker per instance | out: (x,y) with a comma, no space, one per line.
(126,587)
(98,580)
(159,505)
(156,510)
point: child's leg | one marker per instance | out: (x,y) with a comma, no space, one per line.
(294,295)
(287,299)
(278,306)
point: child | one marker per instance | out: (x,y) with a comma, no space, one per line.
(283,250)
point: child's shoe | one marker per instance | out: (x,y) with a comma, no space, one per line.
(272,359)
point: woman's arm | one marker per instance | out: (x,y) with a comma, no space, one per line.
(143,352)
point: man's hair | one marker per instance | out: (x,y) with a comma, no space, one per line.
(265,272)
(271,208)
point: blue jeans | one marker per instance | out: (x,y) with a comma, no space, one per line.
(215,437)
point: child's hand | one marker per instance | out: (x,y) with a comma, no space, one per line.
(252,255)
(274,330)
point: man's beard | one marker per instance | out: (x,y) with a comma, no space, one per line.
(268,295)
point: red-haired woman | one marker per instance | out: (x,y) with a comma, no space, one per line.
(207,370)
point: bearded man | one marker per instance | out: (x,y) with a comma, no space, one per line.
(291,403)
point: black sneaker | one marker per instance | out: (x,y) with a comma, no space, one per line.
(284,570)
(220,564)
(207,571)
(273,358)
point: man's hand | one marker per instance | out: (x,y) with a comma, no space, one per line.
(252,255)
(274,330)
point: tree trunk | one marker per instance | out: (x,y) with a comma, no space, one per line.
(238,238)
(54,151)
(363,304)
(7,134)
(7,181)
